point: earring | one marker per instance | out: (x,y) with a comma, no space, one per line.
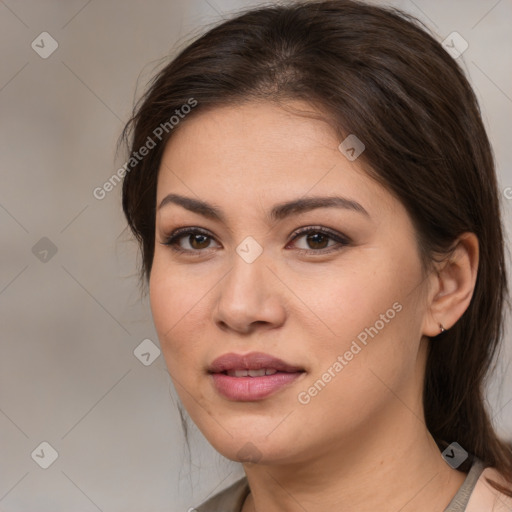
(442,328)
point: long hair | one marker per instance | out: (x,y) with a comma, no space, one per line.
(377,73)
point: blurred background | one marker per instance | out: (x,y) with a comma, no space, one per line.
(88,414)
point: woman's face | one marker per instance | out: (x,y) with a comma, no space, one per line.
(336,291)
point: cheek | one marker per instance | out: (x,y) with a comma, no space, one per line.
(355,380)
(370,320)
(351,296)
(176,310)
(175,303)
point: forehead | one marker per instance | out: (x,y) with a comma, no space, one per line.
(261,150)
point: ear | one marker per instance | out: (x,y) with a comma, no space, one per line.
(452,286)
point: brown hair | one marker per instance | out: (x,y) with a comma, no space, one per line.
(373,72)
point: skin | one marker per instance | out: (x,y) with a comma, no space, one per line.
(361,443)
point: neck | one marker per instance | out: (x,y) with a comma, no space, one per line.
(391,464)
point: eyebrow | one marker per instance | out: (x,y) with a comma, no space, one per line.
(279,211)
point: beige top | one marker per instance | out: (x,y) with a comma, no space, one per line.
(486,499)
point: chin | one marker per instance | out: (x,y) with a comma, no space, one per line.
(253,447)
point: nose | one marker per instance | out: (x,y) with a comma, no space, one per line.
(250,297)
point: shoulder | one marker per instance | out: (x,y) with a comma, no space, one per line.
(230,499)
(485,498)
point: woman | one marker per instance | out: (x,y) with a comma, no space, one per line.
(316,203)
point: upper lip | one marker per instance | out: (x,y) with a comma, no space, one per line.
(251,361)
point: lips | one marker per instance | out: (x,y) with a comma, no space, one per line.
(254,361)
(252,377)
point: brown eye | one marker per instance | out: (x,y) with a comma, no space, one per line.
(189,240)
(317,240)
(199,241)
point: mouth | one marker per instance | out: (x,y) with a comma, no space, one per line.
(251,377)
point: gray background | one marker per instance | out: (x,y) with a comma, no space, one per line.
(70,322)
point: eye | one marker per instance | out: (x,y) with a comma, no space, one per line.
(197,240)
(317,238)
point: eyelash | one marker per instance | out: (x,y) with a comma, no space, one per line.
(173,239)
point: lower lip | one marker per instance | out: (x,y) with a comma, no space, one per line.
(252,388)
